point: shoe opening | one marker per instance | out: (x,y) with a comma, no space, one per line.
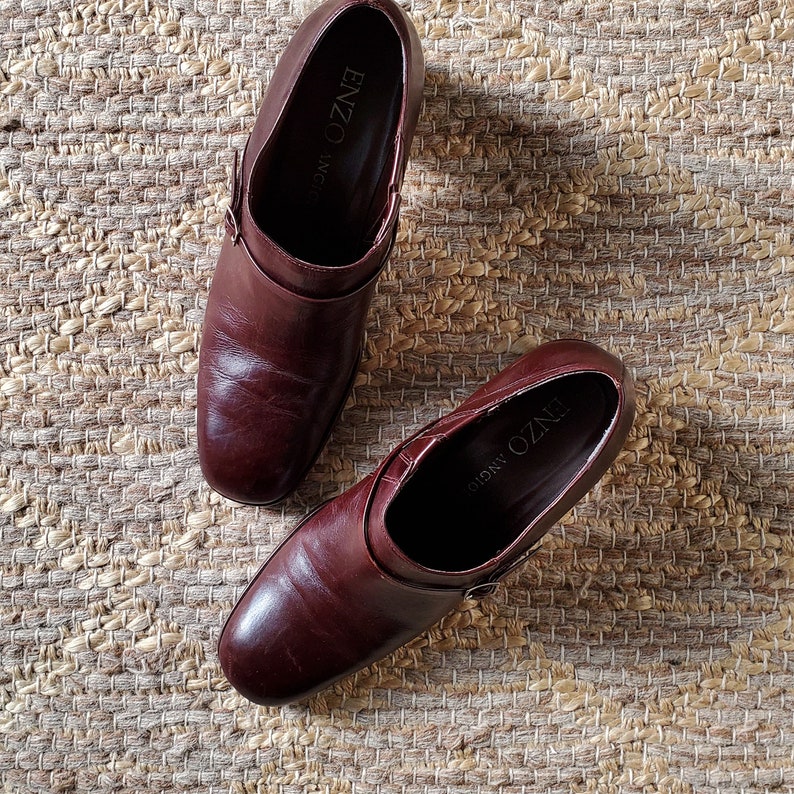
(321,190)
(479,490)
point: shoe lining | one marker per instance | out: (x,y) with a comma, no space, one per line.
(324,186)
(478,491)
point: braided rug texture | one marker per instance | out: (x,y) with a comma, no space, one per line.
(618,171)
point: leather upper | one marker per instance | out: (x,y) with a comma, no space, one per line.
(282,336)
(340,593)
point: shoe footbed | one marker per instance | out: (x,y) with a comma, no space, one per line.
(324,187)
(479,490)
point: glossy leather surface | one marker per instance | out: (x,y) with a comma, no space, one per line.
(376,566)
(307,236)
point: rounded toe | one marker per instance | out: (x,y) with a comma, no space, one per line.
(249,659)
(249,463)
(268,650)
(246,476)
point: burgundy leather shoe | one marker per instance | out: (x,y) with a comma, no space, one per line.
(445,516)
(311,224)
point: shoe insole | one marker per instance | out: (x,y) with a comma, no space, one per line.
(473,496)
(325,184)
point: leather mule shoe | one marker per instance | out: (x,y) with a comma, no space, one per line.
(445,516)
(314,212)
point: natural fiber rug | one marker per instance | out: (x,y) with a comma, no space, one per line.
(616,171)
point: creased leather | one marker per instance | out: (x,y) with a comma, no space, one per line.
(282,337)
(321,607)
(339,594)
(276,366)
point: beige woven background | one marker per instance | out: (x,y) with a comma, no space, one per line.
(617,171)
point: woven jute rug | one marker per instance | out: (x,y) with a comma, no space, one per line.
(619,171)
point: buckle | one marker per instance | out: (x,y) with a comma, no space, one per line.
(398,169)
(481,590)
(231,221)
(486,588)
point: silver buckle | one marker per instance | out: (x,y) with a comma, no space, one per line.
(486,588)
(481,590)
(231,219)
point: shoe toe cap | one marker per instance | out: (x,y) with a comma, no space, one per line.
(269,650)
(249,653)
(255,439)
(247,463)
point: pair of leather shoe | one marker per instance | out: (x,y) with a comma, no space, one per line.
(450,511)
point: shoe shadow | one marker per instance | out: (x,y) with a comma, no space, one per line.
(627,596)
(510,236)
(489,200)
(493,194)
